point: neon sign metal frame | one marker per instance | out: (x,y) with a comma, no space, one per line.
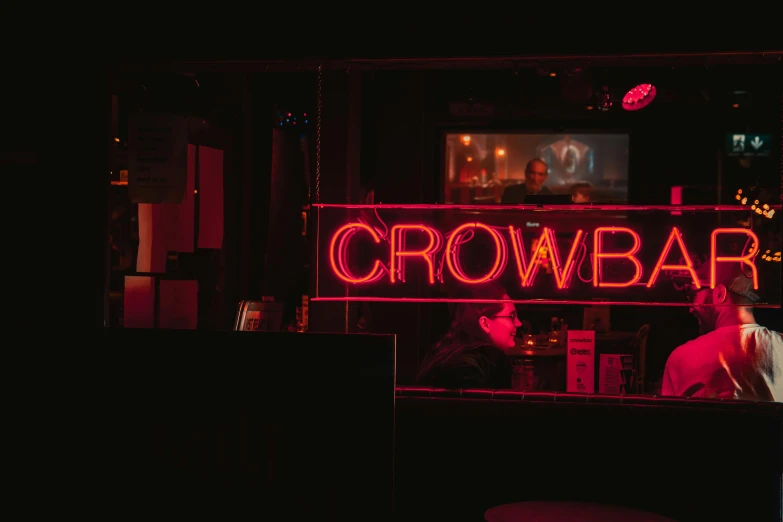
(526,269)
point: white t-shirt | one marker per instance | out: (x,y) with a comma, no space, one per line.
(740,361)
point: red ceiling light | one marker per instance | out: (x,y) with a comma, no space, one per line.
(639,97)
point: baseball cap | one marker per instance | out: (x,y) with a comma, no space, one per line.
(736,277)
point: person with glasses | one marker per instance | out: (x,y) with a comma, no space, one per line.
(472,354)
(734,357)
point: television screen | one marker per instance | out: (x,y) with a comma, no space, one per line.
(480,167)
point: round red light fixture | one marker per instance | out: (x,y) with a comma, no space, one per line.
(639,97)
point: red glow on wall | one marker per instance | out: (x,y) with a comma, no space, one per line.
(675,198)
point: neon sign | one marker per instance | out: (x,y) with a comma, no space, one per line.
(609,254)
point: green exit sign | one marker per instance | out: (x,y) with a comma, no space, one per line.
(747,144)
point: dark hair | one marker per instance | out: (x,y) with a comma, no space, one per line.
(534,160)
(581,187)
(465,332)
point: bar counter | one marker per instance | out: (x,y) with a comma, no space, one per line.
(688,459)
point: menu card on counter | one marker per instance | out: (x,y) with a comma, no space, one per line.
(615,373)
(580,361)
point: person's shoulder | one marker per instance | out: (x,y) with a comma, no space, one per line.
(475,366)
(762,330)
(715,339)
(686,346)
(693,345)
(488,350)
(493,365)
(480,355)
(514,190)
(491,358)
(762,333)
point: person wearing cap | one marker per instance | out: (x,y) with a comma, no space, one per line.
(734,357)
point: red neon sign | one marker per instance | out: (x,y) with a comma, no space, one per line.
(567,259)
(527,269)
(453,247)
(398,250)
(688,266)
(746,259)
(338,254)
(599,254)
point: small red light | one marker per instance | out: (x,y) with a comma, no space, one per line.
(639,97)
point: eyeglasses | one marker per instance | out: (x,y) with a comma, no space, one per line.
(512,316)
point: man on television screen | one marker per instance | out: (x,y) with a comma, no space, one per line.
(536,172)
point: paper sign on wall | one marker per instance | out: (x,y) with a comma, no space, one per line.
(580,361)
(157,157)
(615,373)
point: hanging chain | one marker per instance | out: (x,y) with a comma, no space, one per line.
(318,136)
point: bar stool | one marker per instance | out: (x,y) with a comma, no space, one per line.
(568,512)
